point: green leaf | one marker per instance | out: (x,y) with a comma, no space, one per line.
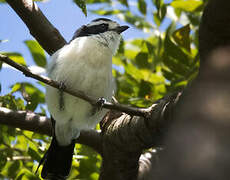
(13,168)
(172,50)
(15,87)
(88,165)
(104,12)
(187,5)
(168,74)
(142,6)
(34,154)
(159,16)
(157,3)
(37,52)
(142,60)
(30,93)
(9,101)
(175,66)
(156,19)
(97,1)
(3,161)
(181,37)
(137,21)
(82,5)
(146,88)
(25,174)
(124,2)
(16,57)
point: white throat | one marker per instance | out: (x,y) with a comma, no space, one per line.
(109,39)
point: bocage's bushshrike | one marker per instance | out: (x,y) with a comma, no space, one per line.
(85,64)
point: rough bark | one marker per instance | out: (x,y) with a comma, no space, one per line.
(197,145)
(214,28)
(125,138)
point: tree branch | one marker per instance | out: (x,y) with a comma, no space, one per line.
(31,121)
(40,28)
(80,94)
(125,137)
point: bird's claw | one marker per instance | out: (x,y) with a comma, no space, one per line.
(99,105)
(100,102)
(62,87)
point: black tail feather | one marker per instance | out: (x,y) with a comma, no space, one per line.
(57,160)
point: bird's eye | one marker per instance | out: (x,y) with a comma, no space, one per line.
(104,26)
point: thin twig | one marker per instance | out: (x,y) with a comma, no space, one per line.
(16,158)
(80,94)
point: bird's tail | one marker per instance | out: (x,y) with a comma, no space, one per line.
(57,161)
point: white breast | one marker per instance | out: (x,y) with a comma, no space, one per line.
(84,65)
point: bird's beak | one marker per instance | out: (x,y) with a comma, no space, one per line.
(120,29)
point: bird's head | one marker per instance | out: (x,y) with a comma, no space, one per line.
(106,31)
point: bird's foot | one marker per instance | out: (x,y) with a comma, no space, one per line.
(100,102)
(62,87)
(99,105)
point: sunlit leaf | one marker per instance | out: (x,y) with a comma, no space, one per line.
(30,93)
(150,47)
(82,5)
(104,12)
(37,52)
(137,21)
(25,174)
(15,87)
(156,19)
(16,57)
(21,143)
(159,15)
(87,165)
(97,1)
(9,101)
(181,36)
(187,5)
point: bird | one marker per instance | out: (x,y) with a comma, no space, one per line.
(84,64)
